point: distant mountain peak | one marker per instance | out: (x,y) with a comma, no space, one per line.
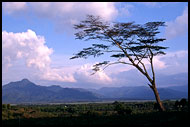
(25,80)
(25,91)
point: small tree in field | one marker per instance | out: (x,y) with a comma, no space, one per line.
(129,43)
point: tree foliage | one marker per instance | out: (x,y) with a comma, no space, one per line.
(129,43)
(134,41)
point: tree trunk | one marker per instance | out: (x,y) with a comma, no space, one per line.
(157,96)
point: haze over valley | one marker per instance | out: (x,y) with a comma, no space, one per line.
(26,92)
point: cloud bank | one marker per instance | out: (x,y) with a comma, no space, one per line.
(177,27)
(32,50)
(14,7)
(64,14)
(83,74)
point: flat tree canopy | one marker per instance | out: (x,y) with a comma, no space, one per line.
(135,42)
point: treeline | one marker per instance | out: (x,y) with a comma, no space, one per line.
(97,113)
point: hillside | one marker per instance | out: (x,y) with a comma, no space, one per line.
(25,91)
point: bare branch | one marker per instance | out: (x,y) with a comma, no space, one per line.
(150,86)
(152,68)
(112,51)
(116,63)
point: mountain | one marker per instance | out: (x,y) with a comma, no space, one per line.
(172,80)
(25,91)
(142,92)
(134,77)
(183,88)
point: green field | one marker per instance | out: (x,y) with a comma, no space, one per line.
(116,113)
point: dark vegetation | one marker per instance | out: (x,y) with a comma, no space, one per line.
(116,113)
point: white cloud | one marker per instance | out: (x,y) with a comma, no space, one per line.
(31,48)
(158,64)
(74,10)
(174,62)
(65,14)
(124,10)
(27,52)
(25,45)
(150,4)
(171,59)
(156,4)
(84,75)
(177,27)
(171,63)
(13,7)
(178,54)
(54,74)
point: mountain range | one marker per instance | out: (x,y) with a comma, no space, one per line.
(25,91)
(142,92)
(133,77)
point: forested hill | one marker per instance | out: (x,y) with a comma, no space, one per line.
(25,91)
(142,92)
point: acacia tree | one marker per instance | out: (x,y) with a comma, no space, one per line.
(129,43)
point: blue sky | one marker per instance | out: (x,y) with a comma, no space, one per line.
(38,40)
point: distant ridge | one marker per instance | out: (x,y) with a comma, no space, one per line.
(142,92)
(25,91)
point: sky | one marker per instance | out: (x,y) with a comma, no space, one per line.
(38,40)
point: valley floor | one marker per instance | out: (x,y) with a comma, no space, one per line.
(112,114)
